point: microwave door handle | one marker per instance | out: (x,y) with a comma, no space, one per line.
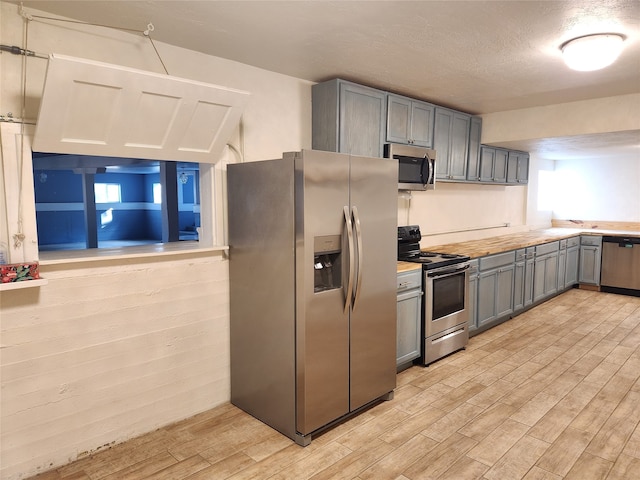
(432,169)
(349,228)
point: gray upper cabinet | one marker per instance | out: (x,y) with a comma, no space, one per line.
(473,161)
(499,165)
(348,118)
(493,164)
(451,143)
(518,167)
(409,121)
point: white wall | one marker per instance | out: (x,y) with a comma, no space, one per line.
(598,189)
(456,212)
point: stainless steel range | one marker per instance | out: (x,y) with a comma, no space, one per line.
(446,295)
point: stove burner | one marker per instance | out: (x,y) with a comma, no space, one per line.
(409,250)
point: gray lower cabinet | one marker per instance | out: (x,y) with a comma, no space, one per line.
(562,265)
(451,143)
(495,287)
(568,257)
(473,295)
(409,315)
(518,280)
(590,259)
(523,279)
(409,121)
(348,118)
(572,263)
(545,276)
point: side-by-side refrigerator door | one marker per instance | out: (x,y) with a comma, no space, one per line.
(373,316)
(322,268)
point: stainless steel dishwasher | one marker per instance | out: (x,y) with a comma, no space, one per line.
(620,265)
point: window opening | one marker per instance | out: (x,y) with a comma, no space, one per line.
(127,202)
(107,192)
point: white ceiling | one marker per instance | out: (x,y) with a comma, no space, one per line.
(476,56)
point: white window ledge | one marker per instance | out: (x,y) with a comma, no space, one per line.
(23,284)
(62,257)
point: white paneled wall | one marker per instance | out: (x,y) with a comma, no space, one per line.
(107,351)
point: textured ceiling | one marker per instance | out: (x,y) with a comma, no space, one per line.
(476,56)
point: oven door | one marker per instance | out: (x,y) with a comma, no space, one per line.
(446,299)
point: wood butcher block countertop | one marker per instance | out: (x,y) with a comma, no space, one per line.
(505,243)
(408,266)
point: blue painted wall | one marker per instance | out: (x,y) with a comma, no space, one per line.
(137,218)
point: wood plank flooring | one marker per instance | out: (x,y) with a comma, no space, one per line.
(551,394)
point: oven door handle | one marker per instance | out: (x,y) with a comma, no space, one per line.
(447,272)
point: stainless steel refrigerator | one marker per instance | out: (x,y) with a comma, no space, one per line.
(312,270)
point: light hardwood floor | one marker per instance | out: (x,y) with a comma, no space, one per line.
(551,394)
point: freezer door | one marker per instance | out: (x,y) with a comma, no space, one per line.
(373,201)
(322,323)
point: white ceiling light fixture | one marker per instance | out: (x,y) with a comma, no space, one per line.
(592,52)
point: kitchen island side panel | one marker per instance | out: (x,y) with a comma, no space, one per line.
(262,279)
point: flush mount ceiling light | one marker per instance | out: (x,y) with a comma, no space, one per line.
(592,52)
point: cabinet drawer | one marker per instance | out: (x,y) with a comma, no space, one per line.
(573,242)
(594,240)
(499,260)
(521,255)
(409,280)
(563,244)
(547,248)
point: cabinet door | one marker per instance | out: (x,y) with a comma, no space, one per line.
(459,146)
(408,335)
(473,298)
(487,286)
(398,119)
(362,120)
(512,167)
(422,115)
(538,279)
(473,162)
(528,281)
(504,291)
(500,166)
(441,141)
(589,271)
(518,286)
(551,274)
(523,168)
(487,161)
(571,275)
(562,269)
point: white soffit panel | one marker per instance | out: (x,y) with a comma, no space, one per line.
(94,108)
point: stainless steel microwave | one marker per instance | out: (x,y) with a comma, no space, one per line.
(416,166)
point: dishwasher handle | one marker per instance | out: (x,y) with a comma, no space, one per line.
(623,242)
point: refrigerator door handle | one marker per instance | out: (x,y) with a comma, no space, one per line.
(356,221)
(349,228)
